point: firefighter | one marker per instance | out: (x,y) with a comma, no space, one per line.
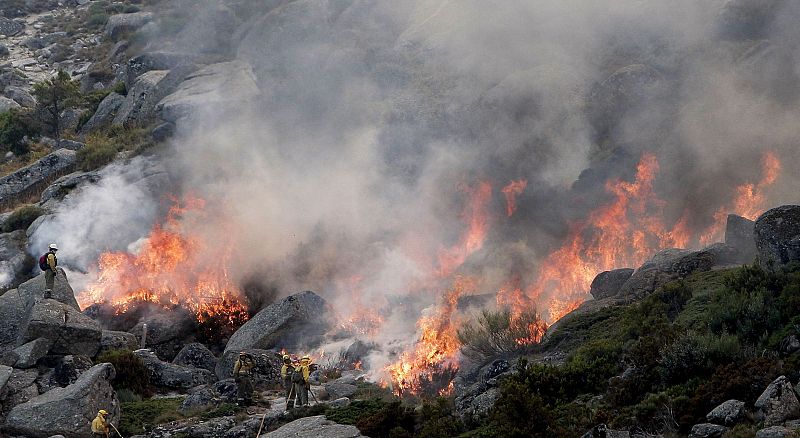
(50,272)
(300,380)
(100,425)
(286,375)
(241,372)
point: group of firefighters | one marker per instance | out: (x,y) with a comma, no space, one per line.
(295,376)
(295,372)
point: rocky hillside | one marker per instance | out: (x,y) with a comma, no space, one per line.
(109,107)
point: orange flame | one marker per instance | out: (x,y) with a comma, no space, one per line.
(750,199)
(476,214)
(512,190)
(168,270)
(438,342)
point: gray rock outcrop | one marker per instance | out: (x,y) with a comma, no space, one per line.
(267,367)
(114,340)
(776,432)
(196,355)
(67,411)
(338,390)
(104,114)
(777,235)
(607,284)
(224,87)
(317,426)
(167,332)
(120,24)
(70,331)
(9,27)
(28,354)
(35,176)
(168,375)
(778,403)
(739,236)
(728,413)
(148,90)
(665,266)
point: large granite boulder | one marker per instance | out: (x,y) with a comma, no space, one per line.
(317,426)
(607,284)
(120,24)
(70,331)
(9,27)
(67,411)
(139,107)
(728,413)
(169,375)
(338,390)
(15,262)
(707,430)
(196,355)
(665,266)
(149,61)
(36,176)
(7,104)
(61,187)
(777,235)
(739,236)
(211,31)
(222,87)
(16,307)
(104,114)
(778,403)
(5,374)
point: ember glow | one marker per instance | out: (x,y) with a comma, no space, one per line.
(750,200)
(512,190)
(169,269)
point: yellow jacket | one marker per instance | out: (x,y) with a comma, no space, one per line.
(286,370)
(305,370)
(99,425)
(52,261)
(242,367)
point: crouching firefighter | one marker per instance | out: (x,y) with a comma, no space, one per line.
(244,385)
(286,375)
(300,378)
(100,425)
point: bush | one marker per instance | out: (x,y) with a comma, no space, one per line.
(694,354)
(99,151)
(138,416)
(22,218)
(14,126)
(375,417)
(131,372)
(97,20)
(495,333)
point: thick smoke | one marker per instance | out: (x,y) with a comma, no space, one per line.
(351,168)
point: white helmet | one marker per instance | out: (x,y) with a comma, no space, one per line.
(54,246)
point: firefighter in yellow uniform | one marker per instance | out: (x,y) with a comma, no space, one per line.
(241,372)
(286,375)
(52,271)
(100,425)
(300,380)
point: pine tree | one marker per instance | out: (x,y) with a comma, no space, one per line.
(53,96)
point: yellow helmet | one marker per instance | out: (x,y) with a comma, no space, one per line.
(305,357)
(102,412)
(285,357)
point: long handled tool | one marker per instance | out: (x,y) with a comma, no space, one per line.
(312,395)
(115,430)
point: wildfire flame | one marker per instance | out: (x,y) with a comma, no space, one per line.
(512,190)
(168,270)
(476,213)
(750,199)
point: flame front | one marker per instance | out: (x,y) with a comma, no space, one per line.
(512,190)
(170,269)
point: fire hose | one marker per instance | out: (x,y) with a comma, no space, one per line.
(115,430)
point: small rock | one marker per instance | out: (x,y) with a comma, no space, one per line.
(4,52)
(7,104)
(200,400)
(114,340)
(339,390)
(19,95)
(317,426)
(10,27)
(728,413)
(196,355)
(339,402)
(707,430)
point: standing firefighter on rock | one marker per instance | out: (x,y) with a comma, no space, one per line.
(300,380)
(241,372)
(286,375)
(100,425)
(49,264)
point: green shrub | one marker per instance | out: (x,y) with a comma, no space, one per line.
(131,373)
(22,218)
(128,9)
(694,354)
(14,126)
(223,410)
(99,151)
(120,88)
(138,416)
(126,395)
(437,420)
(495,333)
